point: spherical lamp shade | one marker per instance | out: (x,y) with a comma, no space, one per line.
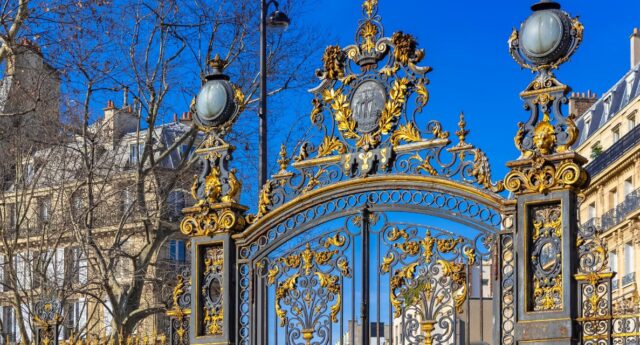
(215,103)
(541,33)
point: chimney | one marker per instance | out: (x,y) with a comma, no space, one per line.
(125,101)
(635,47)
(580,102)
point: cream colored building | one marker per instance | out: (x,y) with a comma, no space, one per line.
(610,139)
(42,202)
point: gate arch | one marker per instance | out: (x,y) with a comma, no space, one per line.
(347,234)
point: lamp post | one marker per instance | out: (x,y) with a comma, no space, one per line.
(277,20)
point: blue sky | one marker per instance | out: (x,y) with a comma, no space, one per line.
(465,43)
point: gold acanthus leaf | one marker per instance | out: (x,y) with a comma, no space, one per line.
(329,145)
(408,133)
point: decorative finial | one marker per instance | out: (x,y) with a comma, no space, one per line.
(370,7)
(462,131)
(284,160)
(217,63)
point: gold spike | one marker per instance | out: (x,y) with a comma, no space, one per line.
(462,132)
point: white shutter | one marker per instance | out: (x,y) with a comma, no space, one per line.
(82,315)
(58,262)
(82,267)
(108,317)
(20,270)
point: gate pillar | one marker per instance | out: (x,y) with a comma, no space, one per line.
(545,181)
(213,219)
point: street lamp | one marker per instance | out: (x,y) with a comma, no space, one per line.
(279,21)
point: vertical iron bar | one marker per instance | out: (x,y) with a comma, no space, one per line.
(468,325)
(342,311)
(378,305)
(390,313)
(481,263)
(262,112)
(364,307)
(352,330)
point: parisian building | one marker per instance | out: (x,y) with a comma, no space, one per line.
(36,204)
(610,140)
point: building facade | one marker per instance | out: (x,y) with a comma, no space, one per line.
(610,139)
(92,237)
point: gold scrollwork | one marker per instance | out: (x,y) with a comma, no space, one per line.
(541,176)
(334,62)
(264,201)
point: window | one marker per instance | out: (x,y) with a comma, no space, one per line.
(613,198)
(607,107)
(628,186)
(629,266)
(78,266)
(126,200)
(11,216)
(177,250)
(615,134)
(628,89)
(108,317)
(175,203)
(9,326)
(613,261)
(591,211)
(596,150)
(184,151)
(44,210)
(76,318)
(631,122)
(135,152)
(587,125)
(77,204)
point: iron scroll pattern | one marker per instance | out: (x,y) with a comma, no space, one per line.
(595,287)
(429,283)
(181,309)
(308,293)
(365,111)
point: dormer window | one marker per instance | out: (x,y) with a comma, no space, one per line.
(585,129)
(628,90)
(607,107)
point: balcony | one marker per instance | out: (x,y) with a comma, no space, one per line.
(617,214)
(617,150)
(628,278)
(614,284)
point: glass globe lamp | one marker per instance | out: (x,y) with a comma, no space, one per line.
(215,104)
(546,36)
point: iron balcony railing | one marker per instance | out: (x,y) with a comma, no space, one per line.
(617,214)
(613,153)
(628,278)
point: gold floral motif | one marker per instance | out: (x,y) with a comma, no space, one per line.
(318,108)
(342,112)
(572,133)
(408,133)
(308,263)
(329,145)
(405,49)
(334,62)
(240,98)
(462,132)
(547,298)
(369,6)
(368,33)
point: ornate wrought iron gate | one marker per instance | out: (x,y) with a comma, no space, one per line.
(372,231)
